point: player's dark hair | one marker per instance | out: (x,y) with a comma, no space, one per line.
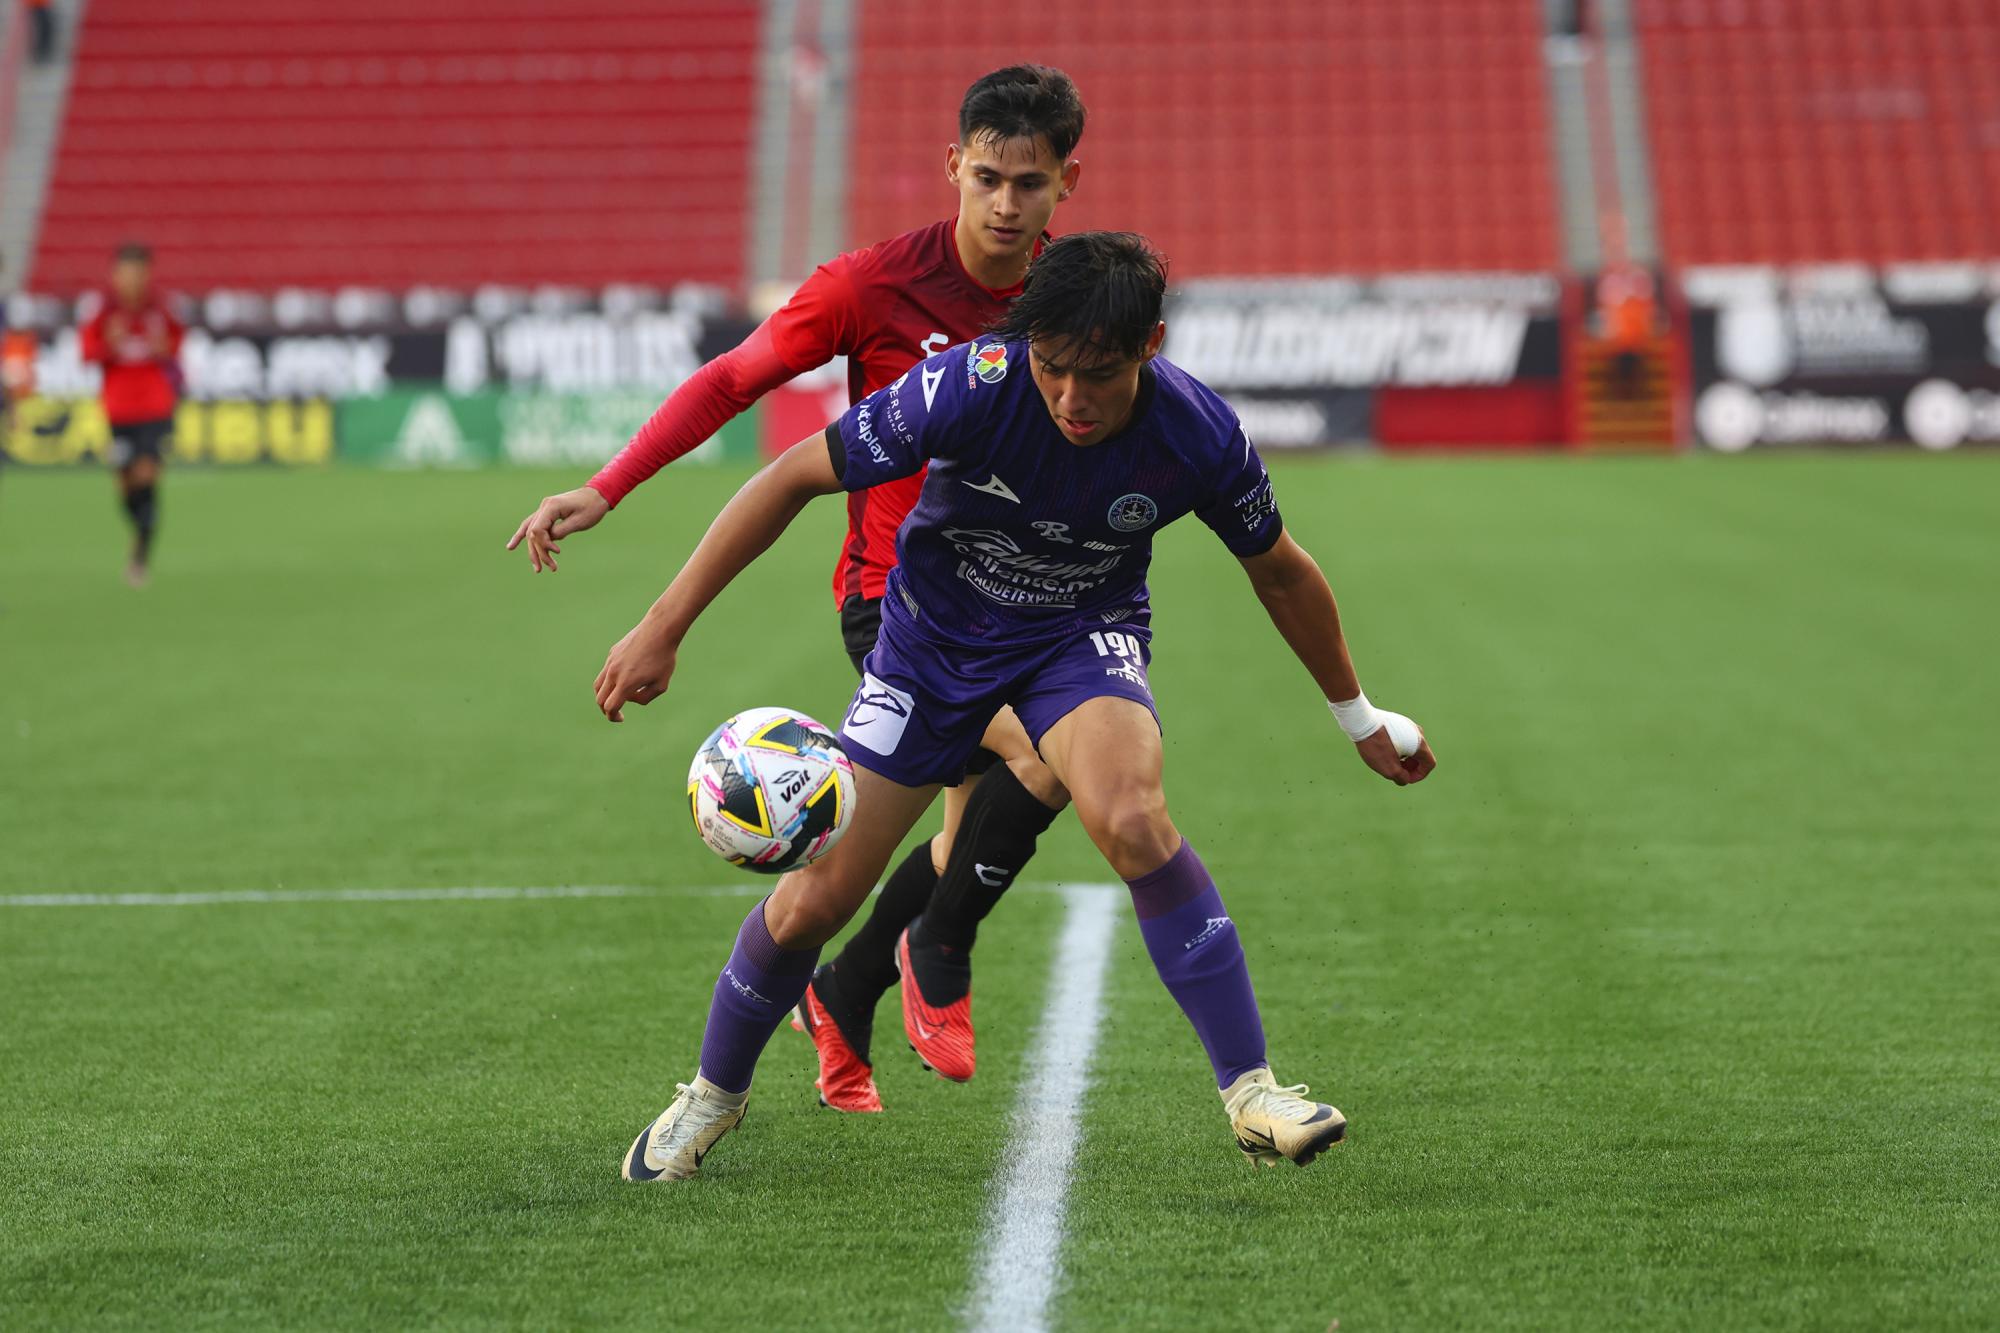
(134,250)
(1101,289)
(1023,102)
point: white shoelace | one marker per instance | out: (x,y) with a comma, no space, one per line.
(684,1127)
(1300,1108)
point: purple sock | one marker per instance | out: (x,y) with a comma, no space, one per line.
(1195,950)
(757,988)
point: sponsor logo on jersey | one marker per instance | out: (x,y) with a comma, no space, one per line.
(986,364)
(994,486)
(1257,505)
(1052,531)
(932,378)
(864,426)
(1130,513)
(992,877)
(999,569)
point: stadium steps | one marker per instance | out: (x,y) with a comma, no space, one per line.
(1610,419)
(31,124)
(1566,57)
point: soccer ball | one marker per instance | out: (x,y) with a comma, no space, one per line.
(771,790)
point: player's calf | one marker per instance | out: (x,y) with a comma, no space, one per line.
(1003,820)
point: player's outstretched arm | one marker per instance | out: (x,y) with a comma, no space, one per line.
(641,663)
(710,397)
(1300,603)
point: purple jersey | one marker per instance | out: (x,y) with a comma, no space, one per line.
(1021,536)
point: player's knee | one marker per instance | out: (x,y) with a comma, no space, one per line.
(1134,833)
(804,916)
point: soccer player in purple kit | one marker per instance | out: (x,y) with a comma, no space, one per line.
(1056,448)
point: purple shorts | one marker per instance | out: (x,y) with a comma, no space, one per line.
(923,706)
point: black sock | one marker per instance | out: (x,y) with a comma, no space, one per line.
(867,962)
(142,506)
(995,839)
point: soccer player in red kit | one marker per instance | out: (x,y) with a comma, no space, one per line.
(137,341)
(886,308)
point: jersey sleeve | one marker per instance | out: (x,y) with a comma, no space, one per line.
(822,319)
(1241,508)
(819,322)
(696,410)
(896,430)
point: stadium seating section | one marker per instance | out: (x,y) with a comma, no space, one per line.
(319,142)
(452,142)
(1823,130)
(1292,136)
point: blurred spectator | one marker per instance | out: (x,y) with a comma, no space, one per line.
(1628,313)
(42,30)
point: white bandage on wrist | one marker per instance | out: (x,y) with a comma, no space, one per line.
(1357,717)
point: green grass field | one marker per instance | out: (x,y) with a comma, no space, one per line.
(1669,1003)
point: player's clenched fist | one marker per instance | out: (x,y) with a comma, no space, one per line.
(636,671)
(557,517)
(1380,753)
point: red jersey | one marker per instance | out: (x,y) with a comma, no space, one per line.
(885,309)
(138,350)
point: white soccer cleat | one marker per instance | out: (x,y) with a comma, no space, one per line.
(1275,1124)
(671,1148)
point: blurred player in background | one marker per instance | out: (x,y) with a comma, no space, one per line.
(886,308)
(138,342)
(1031,594)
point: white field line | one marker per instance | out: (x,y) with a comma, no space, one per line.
(368,895)
(748,888)
(1020,1263)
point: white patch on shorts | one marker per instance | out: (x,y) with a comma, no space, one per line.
(876,718)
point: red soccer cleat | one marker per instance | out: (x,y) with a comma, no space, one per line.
(846,1082)
(941,1036)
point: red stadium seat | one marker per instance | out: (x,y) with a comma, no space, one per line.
(326,142)
(1794,131)
(1291,136)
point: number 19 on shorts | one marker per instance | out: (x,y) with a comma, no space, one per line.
(1117,643)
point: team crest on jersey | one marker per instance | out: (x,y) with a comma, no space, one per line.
(1129,513)
(987,364)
